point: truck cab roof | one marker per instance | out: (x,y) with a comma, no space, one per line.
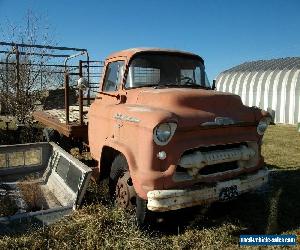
(129,53)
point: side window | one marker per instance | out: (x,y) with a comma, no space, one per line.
(113,76)
(207,83)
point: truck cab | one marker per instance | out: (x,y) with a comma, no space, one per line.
(166,139)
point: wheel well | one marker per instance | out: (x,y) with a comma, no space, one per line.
(107,157)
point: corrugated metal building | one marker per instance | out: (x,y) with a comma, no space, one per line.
(268,84)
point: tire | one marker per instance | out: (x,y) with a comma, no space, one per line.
(119,175)
(144,217)
(121,188)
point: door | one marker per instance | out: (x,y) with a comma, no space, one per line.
(102,125)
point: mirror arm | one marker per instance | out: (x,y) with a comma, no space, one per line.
(213,87)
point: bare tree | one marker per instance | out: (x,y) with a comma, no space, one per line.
(24,72)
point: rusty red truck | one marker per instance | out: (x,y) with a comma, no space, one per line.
(163,136)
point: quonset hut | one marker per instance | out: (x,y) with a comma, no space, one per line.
(272,85)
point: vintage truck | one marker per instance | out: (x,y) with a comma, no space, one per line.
(161,133)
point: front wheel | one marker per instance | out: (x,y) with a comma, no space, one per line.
(121,188)
(122,191)
(144,216)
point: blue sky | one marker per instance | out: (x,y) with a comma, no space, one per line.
(224,33)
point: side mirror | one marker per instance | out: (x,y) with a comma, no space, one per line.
(82,83)
(213,87)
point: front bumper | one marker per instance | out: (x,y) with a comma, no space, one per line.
(173,199)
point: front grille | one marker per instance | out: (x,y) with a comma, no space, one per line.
(180,169)
(218,168)
(212,169)
(216,155)
(215,148)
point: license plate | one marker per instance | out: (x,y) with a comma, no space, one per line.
(228,193)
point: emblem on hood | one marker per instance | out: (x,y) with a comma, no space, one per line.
(219,121)
(122,117)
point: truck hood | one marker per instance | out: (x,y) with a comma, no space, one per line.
(192,107)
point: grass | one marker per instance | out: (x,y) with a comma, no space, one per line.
(18,135)
(30,192)
(98,225)
(8,206)
(282,147)
(32,195)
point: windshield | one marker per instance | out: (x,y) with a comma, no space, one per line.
(164,70)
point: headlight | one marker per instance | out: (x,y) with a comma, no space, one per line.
(164,132)
(263,125)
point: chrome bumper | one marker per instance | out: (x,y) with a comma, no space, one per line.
(173,199)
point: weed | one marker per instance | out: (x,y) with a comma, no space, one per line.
(32,195)
(7,206)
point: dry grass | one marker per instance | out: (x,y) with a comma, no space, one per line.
(32,195)
(7,206)
(100,226)
(15,135)
(11,122)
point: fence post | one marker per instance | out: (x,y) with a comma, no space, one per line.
(80,96)
(67,95)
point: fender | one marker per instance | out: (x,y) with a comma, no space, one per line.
(122,148)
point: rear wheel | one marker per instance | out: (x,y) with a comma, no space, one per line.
(122,191)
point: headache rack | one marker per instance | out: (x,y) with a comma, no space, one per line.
(72,120)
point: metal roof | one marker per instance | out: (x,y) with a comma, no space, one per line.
(264,65)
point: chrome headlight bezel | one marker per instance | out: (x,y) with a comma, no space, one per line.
(163,133)
(263,125)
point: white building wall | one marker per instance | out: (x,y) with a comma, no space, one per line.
(278,90)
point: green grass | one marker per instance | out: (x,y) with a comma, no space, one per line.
(100,226)
(282,147)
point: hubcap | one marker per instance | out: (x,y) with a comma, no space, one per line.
(125,193)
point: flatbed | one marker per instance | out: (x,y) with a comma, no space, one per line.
(56,119)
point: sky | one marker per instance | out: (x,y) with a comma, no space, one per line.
(224,33)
